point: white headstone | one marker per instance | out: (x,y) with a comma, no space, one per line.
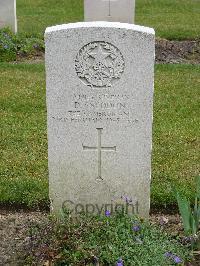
(109,10)
(8,14)
(99,100)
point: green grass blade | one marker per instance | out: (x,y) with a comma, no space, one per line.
(197,180)
(185,211)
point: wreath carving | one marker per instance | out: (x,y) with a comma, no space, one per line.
(99,64)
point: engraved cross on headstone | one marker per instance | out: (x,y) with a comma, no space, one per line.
(100,148)
(109,6)
(109,10)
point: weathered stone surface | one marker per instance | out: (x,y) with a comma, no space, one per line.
(109,10)
(99,103)
(8,14)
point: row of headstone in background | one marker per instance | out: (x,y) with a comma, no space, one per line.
(99,102)
(109,10)
(8,16)
(94,10)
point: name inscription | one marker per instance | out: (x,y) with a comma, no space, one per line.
(100,107)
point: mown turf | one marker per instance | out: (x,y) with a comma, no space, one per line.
(23,163)
(23,142)
(176,140)
(172,19)
(35,16)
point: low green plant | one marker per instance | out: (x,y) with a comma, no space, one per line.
(12,45)
(190,215)
(27,46)
(8,49)
(116,239)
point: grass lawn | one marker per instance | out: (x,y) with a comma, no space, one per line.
(23,142)
(172,19)
(176,139)
(23,163)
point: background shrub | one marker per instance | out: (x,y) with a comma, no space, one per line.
(12,45)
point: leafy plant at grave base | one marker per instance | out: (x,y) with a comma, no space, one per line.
(105,240)
(191,215)
(7,45)
(29,45)
(12,45)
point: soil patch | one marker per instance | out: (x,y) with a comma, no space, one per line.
(174,52)
(167,52)
(15,226)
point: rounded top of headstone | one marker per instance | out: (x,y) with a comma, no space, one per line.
(100,24)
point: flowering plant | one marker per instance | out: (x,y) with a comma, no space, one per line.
(7,45)
(12,45)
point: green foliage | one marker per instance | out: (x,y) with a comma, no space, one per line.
(7,45)
(197,181)
(186,213)
(27,46)
(190,215)
(12,45)
(89,240)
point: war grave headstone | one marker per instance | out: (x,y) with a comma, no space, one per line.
(99,78)
(109,10)
(8,16)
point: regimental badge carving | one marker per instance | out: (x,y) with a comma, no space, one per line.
(99,64)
